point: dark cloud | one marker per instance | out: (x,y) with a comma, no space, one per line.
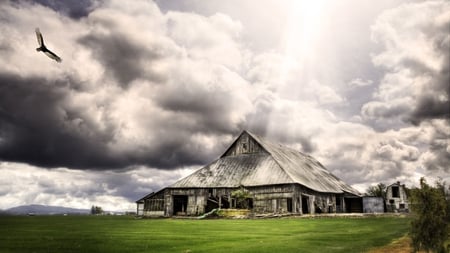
(38,127)
(434,102)
(121,56)
(121,98)
(72,8)
(438,156)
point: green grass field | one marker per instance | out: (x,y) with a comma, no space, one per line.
(123,234)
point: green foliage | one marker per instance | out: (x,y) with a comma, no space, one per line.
(124,234)
(377,191)
(241,196)
(96,210)
(429,229)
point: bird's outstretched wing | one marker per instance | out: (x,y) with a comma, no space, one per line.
(43,48)
(39,37)
(52,55)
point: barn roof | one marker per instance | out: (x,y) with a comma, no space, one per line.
(141,200)
(272,164)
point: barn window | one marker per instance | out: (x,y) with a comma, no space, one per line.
(395,192)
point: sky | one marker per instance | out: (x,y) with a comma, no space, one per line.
(149,91)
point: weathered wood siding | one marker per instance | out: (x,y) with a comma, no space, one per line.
(140,209)
(154,206)
(271,199)
(373,204)
(244,145)
(197,198)
(289,198)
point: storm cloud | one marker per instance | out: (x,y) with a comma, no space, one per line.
(139,100)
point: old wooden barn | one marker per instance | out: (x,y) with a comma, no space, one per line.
(277,179)
(396,198)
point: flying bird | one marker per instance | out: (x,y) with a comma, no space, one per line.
(43,48)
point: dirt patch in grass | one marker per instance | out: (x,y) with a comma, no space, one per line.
(401,245)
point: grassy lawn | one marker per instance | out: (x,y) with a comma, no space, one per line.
(122,234)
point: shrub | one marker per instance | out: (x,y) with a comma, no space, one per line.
(429,226)
(242,197)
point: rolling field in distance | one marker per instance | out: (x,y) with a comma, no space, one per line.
(123,234)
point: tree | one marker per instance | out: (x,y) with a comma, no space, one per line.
(377,191)
(96,210)
(242,197)
(429,228)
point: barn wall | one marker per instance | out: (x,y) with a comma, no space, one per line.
(140,208)
(197,199)
(244,145)
(290,198)
(153,206)
(271,199)
(373,204)
(317,202)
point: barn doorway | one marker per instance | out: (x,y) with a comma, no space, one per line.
(180,204)
(289,205)
(339,208)
(353,205)
(305,204)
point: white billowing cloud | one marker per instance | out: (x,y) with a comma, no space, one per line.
(81,189)
(376,110)
(210,38)
(415,53)
(358,82)
(413,38)
(392,155)
(284,76)
(325,94)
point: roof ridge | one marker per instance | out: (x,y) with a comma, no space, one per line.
(260,139)
(264,139)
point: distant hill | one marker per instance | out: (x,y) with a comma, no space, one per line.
(44,210)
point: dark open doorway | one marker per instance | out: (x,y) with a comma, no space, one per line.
(305,205)
(289,205)
(339,205)
(211,204)
(180,204)
(225,202)
(353,205)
